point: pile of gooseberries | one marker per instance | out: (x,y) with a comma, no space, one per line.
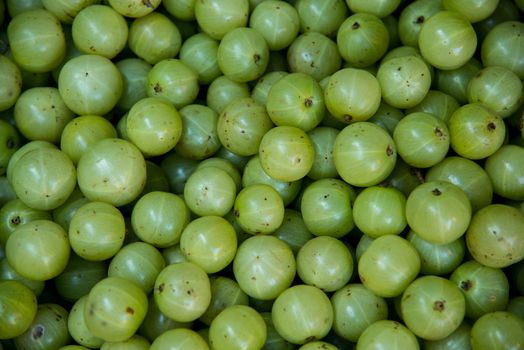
(261,174)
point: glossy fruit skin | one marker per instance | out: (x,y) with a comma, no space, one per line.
(134,8)
(154,126)
(7,273)
(505,170)
(299,325)
(21,151)
(15,213)
(364,154)
(18,308)
(136,342)
(77,326)
(237,327)
(321,16)
(485,289)
(154,37)
(466,174)
(210,242)
(12,87)
(155,323)
(315,54)
(326,208)
(277,21)
(258,209)
(199,137)
(184,10)
(134,72)
(455,81)
(457,340)
(242,125)
(388,266)
(315,345)
(499,329)
(438,103)
(387,117)
(217,18)
(180,339)
(243,55)
(210,191)
(115,308)
(357,86)
(502,47)
(438,259)
(224,90)
(119,178)
(493,237)
(48,329)
(41,243)
(474,10)
(387,334)
(225,292)
(432,307)
(447,40)
(325,262)
(404,81)
(139,262)
(83,132)
(44,178)
(40,114)
(199,52)
(412,19)
(422,140)
(293,230)
(90,33)
(286,153)
(37,40)
(225,164)
(90,84)
(254,174)
(63,214)
(505,82)
(296,100)
(182,291)
(173,80)
(97,231)
(386,205)
(438,211)
(355,308)
(367,32)
(159,217)
(380,8)
(323,139)
(66,11)
(78,277)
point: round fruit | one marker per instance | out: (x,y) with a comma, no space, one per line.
(389,265)
(298,324)
(113,170)
(18,307)
(114,309)
(364,154)
(438,211)
(447,40)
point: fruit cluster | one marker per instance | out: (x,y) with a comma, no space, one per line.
(261,174)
